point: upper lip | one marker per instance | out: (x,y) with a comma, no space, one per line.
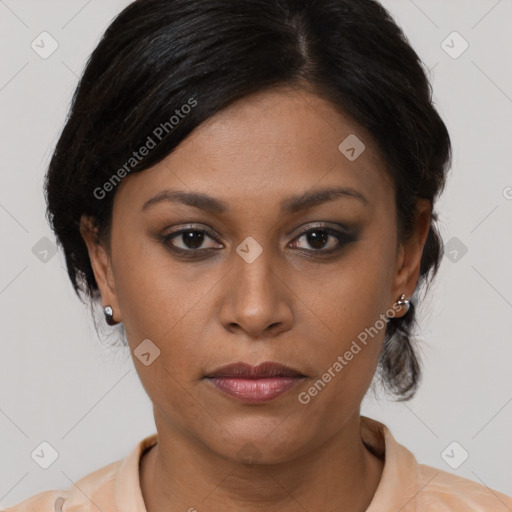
(267,369)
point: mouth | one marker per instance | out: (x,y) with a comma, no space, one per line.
(254,384)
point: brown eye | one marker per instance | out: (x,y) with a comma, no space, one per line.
(189,240)
(318,239)
(322,239)
(192,239)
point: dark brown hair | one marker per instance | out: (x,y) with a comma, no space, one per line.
(158,54)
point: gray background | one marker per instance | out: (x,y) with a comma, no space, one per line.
(60,384)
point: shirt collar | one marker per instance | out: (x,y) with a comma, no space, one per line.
(399,480)
(397,487)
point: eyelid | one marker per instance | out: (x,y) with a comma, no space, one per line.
(341,233)
(193,227)
(324,225)
(305,229)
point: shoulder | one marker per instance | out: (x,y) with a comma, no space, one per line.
(409,486)
(43,501)
(110,488)
(80,497)
(443,491)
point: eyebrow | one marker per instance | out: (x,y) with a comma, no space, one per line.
(290,205)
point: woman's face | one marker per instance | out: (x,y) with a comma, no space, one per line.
(262,278)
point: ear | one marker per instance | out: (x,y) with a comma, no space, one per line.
(410,251)
(101,264)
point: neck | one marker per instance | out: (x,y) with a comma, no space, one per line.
(179,473)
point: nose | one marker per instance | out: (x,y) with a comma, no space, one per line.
(257,300)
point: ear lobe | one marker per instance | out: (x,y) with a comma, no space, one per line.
(100,261)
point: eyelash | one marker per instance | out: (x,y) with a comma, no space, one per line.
(343,238)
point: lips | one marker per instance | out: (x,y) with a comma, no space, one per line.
(268,369)
(254,384)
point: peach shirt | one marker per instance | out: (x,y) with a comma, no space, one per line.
(405,485)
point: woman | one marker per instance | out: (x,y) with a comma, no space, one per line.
(248,189)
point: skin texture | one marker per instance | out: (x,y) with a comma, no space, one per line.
(288,306)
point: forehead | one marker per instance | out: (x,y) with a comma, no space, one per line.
(268,145)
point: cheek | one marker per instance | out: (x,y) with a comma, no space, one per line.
(347,302)
(349,296)
(349,343)
(147,286)
(165,302)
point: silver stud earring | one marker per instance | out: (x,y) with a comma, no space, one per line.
(402,301)
(109,315)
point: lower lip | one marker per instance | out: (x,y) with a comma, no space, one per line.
(254,391)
